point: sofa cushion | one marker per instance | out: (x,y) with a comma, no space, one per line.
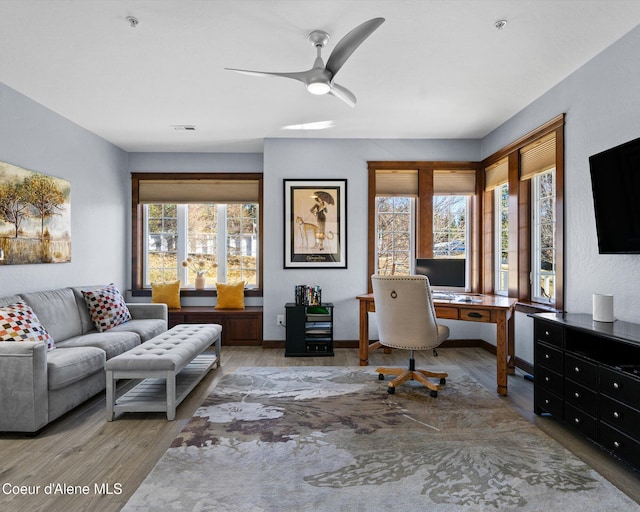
(18,322)
(69,365)
(106,307)
(145,328)
(111,343)
(57,311)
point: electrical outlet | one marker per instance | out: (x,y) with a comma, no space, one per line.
(280,320)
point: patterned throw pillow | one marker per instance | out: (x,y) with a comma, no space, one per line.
(18,322)
(106,307)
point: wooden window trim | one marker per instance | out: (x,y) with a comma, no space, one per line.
(520,217)
(424,211)
(137,245)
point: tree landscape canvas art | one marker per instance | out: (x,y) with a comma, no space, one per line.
(35,217)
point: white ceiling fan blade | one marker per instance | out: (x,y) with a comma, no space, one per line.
(348,44)
(302,76)
(343,94)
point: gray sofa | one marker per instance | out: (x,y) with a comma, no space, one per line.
(38,386)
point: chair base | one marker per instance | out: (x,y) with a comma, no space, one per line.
(421,376)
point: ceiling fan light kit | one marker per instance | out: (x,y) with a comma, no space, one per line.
(320,78)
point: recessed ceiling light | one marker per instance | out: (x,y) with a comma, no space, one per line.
(183,127)
(133,21)
(318,125)
(500,24)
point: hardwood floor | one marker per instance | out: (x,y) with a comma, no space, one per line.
(112,458)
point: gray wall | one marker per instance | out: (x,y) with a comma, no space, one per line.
(38,139)
(602,105)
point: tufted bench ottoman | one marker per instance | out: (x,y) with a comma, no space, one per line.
(171,365)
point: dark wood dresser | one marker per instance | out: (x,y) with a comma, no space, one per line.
(587,374)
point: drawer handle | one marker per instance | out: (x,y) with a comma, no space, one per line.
(546,401)
(547,379)
(547,356)
(473,314)
(576,394)
(617,444)
(616,385)
(616,415)
(577,369)
(547,333)
(577,421)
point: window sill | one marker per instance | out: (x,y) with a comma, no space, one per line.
(526,306)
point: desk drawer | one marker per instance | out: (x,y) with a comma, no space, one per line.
(475,315)
(447,312)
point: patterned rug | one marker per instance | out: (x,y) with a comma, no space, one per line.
(332,439)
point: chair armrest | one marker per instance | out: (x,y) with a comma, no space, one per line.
(24,400)
(143,310)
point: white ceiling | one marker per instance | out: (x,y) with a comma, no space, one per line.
(434,69)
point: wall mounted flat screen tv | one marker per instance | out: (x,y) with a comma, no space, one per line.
(615,180)
(443,272)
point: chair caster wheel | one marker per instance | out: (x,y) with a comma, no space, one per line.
(381,376)
(434,394)
(443,381)
(391,390)
(435,353)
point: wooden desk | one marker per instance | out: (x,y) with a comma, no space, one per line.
(494,309)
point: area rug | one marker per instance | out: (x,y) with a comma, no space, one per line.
(332,439)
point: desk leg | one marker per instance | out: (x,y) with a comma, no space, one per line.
(364,333)
(511,337)
(502,334)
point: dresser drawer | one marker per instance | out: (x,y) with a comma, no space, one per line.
(545,401)
(622,445)
(622,387)
(475,315)
(549,380)
(548,356)
(620,416)
(549,333)
(579,419)
(582,397)
(580,370)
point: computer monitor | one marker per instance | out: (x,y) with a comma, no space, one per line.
(444,273)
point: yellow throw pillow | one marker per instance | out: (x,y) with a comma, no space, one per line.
(166,293)
(230,296)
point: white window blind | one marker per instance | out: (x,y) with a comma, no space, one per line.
(454,182)
(198,191)
(538,157)
(496,174)
(397,182)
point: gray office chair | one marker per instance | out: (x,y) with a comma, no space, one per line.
(407,320)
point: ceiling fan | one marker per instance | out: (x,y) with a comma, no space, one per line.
(319,79)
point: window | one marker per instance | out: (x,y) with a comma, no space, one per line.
(395,225)
(543,244)
(222,236)
(416,210)
(501,223)
(211,219)
(522,213)
(450,233)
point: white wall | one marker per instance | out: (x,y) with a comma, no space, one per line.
(332,159)
(35,138)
